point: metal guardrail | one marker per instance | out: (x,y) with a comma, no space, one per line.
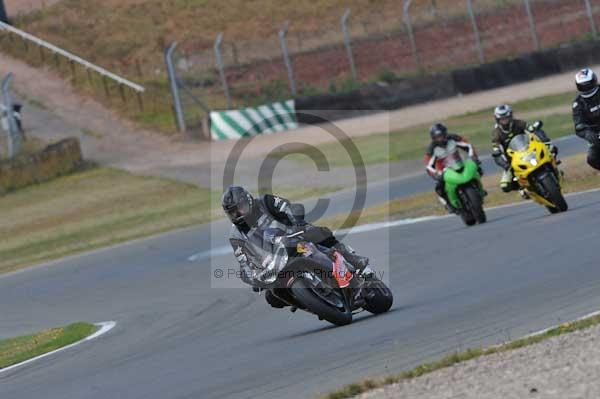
(86,64)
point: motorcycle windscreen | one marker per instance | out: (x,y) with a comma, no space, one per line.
(519,143)
(267,256)
(449,155)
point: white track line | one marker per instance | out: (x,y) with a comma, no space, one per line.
(104,328)
(226,249)
(219,251)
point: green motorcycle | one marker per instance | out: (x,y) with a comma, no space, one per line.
(462,182)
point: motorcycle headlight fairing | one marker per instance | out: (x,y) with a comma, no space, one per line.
(273,265)
(530,158)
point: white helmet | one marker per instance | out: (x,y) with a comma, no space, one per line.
(586,82)
(504,116)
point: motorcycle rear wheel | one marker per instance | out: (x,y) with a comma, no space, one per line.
(379,297)
(304,294)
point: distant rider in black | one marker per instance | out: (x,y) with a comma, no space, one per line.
(586,113)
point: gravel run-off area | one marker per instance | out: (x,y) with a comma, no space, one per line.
(563,367)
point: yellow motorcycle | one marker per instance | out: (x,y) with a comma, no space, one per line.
(536,171)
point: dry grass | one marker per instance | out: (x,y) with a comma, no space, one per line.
(90,209)
(410,143)
(116,32)
(99,207)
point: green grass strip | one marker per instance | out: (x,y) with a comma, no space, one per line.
(20,349)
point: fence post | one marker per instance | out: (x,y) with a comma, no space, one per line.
(534,35)
(174,86)
(221,68)
(286,57)
(590,13)
(476,31)
(13,134)
(347,42)
(411,35)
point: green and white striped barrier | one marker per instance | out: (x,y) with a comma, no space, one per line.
(248,122)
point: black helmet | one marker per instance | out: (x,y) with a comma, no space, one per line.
(504,116)
(438,133)
(586,82)
(237,203)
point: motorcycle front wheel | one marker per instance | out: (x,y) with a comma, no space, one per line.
(476,204)
(305,294)
(553,194)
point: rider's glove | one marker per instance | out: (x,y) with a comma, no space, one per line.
(535,126)
(479,168)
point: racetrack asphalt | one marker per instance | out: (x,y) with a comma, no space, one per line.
(176,337)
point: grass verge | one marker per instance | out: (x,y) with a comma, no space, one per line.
(98,207)
(17,350)
(578,176)
(410,143)
(366,385)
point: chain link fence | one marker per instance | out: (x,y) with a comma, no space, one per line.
(423,36)
(11,140)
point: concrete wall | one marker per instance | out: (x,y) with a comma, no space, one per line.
(55,160)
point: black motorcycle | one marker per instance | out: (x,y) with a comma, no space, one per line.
(314,278)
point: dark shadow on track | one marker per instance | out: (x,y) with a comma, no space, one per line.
(328,327)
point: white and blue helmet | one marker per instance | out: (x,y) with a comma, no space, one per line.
(587,83)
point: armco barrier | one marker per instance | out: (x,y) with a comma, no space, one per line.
(412,91)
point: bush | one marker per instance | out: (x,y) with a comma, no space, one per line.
(387,75)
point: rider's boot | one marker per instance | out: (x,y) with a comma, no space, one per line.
(524,194)
(359,262)
(446,204)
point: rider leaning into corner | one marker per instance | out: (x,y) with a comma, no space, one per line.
(586,114)
(505,129)
(438,151)
(252,218)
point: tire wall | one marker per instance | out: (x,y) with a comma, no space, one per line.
(388,96)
